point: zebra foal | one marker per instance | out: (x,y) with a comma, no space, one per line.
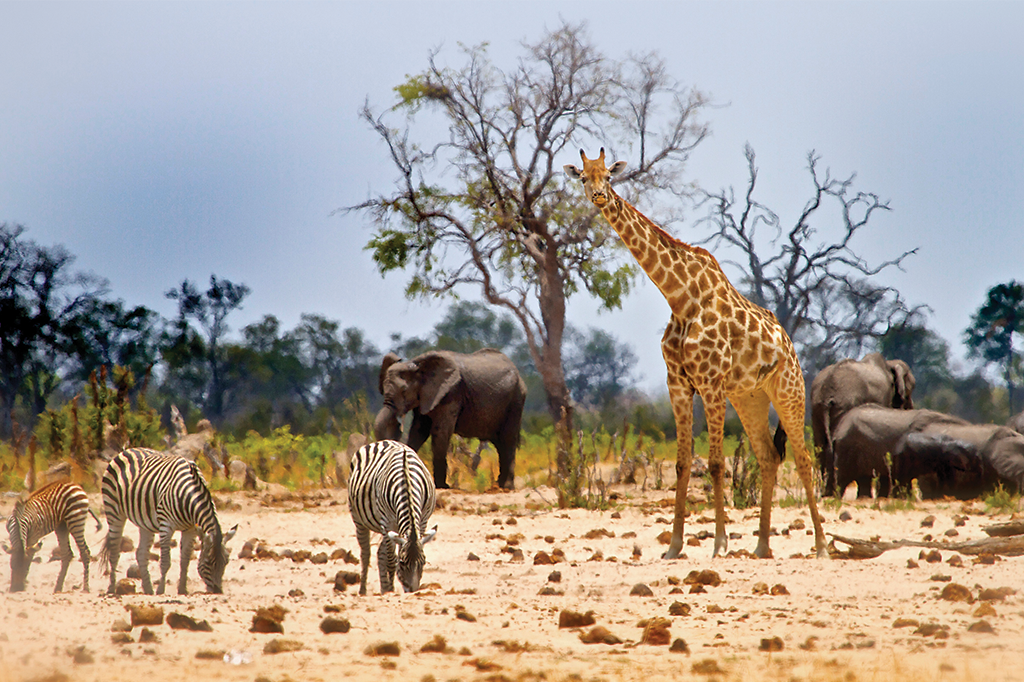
(390,492)
(57,507)
(161,494)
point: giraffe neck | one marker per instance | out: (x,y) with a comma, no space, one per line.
(682,272)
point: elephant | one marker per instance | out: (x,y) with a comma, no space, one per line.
(1017,422)
(476,395)
(840,387)
(962,460)
(866,434)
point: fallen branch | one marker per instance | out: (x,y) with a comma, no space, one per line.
(868,549)
(1002,530)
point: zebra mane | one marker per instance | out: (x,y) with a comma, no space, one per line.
(413,521)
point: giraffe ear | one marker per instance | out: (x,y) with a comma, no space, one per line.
(617,168)
(572,171)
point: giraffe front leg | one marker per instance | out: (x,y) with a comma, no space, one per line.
(714,413)
(769,465)
(682,408)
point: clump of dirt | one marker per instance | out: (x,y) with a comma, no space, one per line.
(574,619)
(145,615)
(599,635)
(269,620)
(179,621)
(332,625)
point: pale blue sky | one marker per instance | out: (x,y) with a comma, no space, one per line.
(163,141)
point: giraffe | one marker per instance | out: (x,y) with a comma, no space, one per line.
(719,345)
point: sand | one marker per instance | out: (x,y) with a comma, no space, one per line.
(498,610)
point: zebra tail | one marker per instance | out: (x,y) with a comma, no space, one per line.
(99,524)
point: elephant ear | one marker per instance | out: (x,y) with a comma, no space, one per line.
(903,382)
(439,374)
(389,359)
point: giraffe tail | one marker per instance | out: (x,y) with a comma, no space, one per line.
(780,442)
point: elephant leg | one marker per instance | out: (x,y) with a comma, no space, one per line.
(863,486)
(506,444)
(419,432)
(440,439)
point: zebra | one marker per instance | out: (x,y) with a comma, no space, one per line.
(390,492)
(161,494)
(59,507)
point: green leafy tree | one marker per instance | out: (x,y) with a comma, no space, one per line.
(200,358)
(995,333)
(42,301)
(480,201)
(599,368)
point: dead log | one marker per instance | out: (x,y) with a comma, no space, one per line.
(1003,530)
(867,549)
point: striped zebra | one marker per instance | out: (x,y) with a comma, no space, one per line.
(390,492)
(161,494)
(58,507)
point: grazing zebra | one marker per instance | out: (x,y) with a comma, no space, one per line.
(60,507)
(162,494)
(390,492)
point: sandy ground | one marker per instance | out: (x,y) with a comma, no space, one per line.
(834,619)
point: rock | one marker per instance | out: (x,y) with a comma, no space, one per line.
(462,614)
(905,622)
(996,594)
(179,621)
(771,644)
(656,632)
(844,516)
(555,577)
(145,615)
(80,655)
(779,590)
(931,629)
(542,558)
(679,646)
(319,558)
(986,609)
(705,577)
(574,619)
(121,625)
(211,654)
(269,620)
(383,649)
(281,646)
(242,475)
(928,521)
(599,635)
(124,586)
(437,645)
(981,626)
(472,557)
(343,579)
(121,638)
(331,625)
(678,608)
(641,590)
(247,549)
(956,592)
(760,588)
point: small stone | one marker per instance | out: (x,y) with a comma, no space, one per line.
(281,646)
(211,654)
(705,577)
(996,594)
(121,638)
(678,608)
(928,521)
(472,557)
(986,609)
(779,590)
(771,644)
(179,621)
(555,577)
(574,619)
(331,625)
(656,632)
(599,635)
(463,614)
(121,625)
(930,629)
(955,592)
(81,656)
(383,649)
(760,588)
(124,586)
(318,558)
(955,561)
(905,622)
(542,558)
(911,563)
(147,636)
(641,590)
(145,615)
(679,646)
(982,626)
(437,645)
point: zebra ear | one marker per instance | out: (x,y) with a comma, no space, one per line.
(429,535)
(7,548)
(396,538)
(230,534)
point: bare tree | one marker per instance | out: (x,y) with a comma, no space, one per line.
(477,202)
(821,291)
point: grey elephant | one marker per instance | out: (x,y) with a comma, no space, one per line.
(962,460)
(866,435)
(843,386)
(477,395)
(1017,422)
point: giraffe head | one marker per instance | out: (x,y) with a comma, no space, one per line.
(596,177)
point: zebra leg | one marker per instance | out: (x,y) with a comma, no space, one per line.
(142,557)
(387,561)
(185,550)
(166,534)
(112,547)
(65,555)
(363,537)
(77,529)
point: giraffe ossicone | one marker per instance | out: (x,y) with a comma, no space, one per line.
(717,344)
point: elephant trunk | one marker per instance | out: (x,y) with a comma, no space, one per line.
(387,426)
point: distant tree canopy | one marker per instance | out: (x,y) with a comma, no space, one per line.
(483,204)
(996,333)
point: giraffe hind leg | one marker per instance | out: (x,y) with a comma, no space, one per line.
(752,410)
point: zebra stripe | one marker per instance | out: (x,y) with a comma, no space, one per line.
(391,492)
(57,507)
(161,494)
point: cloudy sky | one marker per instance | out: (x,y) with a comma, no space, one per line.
(159,141)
